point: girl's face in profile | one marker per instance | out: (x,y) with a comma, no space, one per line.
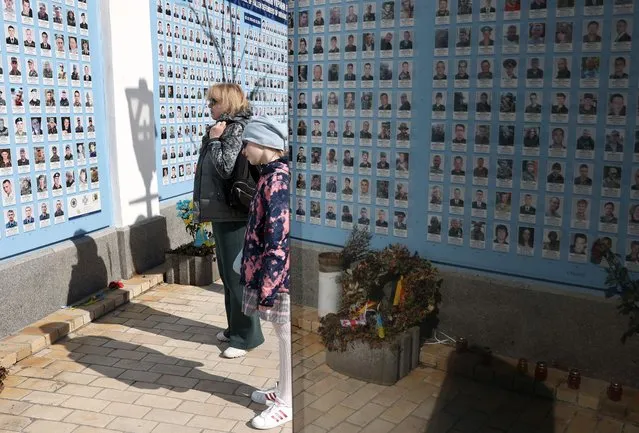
(254,153)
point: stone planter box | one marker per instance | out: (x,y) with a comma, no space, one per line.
(191,270)
(383,366)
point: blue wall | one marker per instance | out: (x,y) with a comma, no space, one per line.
(245,60)
(86,207)
(540,259)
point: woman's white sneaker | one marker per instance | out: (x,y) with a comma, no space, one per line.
(276,415)
(232,352)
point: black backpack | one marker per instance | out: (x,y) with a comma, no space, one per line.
(242,184)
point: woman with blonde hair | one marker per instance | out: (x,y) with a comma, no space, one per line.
(221,147)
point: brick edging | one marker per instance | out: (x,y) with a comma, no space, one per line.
(46,331)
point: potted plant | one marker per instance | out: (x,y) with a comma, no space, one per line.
(193,263)
(386,296)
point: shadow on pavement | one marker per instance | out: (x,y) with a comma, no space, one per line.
(145,368)
(475,396)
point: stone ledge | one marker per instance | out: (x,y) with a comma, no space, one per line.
(502,372)
(46,331)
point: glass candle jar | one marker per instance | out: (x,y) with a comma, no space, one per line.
(541,371)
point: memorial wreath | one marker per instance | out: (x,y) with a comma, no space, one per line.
(384,293)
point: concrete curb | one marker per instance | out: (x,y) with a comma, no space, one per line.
(45,332)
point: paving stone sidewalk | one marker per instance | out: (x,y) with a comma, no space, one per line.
(426,401)
(152,365)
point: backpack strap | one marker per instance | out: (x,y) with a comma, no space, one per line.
(254,171)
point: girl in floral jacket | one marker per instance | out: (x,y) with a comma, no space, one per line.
(265,260)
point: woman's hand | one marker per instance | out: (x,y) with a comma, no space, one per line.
(216,130)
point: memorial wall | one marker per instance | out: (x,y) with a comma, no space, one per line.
(497,135)
(52,149)
(201,43)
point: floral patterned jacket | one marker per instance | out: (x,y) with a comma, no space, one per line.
(265,258)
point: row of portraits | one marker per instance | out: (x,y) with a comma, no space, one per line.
(53,184)
(23,159)
(35,128)
(72,15)
(592,73)
(367,132)
(368,43)
(179,173)
(31,216)
(60,100)
(352,16)
(195,57)
(383,103)
(558,143)
(348,189)
(531,173)
(581,212)
(488,10)
(266,81)
(560,104)
(388,74)
(28,41)
(482,72)
(383,163)
(182,133)
(533,37)
(180,113)
(348,218)
(27,70)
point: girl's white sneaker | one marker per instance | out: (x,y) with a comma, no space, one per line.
(276,415)
(266,396)
(232,352)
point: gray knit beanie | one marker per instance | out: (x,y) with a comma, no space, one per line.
(266,132)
